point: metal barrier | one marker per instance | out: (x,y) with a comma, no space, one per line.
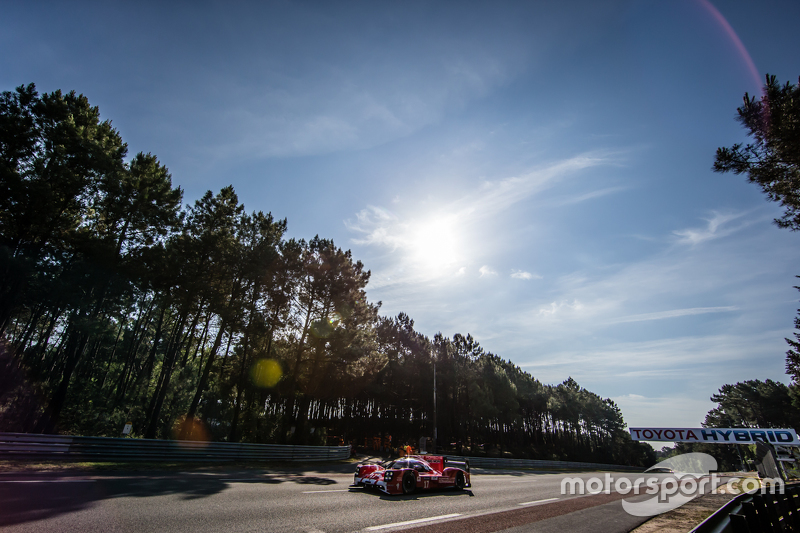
(31,446)
(493,462)
(36,446)
(756,513)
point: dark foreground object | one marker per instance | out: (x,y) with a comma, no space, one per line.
(757,513)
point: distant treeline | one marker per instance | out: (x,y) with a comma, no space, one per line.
(118,304)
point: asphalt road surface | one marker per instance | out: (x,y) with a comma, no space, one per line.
(297,500)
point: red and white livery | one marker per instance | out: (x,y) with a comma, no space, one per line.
(408,474)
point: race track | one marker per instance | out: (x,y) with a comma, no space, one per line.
(296,500)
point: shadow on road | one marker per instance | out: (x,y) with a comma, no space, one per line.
(28,498)
(415,496)
(423,495)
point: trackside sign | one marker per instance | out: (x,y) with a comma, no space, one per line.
(785,437)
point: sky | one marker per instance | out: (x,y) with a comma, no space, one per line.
(536,174)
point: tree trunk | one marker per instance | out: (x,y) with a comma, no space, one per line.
(49,422)
(163,381)
(113,353)
(201,386)
(147,368)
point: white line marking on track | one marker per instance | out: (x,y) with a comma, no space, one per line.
(410,522)
(538,501)
(317,491)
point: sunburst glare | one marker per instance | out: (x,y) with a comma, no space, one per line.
(433,244)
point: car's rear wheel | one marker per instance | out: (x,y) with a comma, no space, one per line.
(409,483)
(460,481)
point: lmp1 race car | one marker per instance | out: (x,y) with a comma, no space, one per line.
(407,474)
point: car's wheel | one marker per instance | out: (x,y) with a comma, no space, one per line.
(409,483)
(460,481)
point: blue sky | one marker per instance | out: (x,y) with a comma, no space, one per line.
(536,174)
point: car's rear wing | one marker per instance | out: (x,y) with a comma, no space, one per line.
(464,465)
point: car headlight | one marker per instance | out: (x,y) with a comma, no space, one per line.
(387,476)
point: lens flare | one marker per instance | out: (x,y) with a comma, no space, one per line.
(266,373)
(190,429)
(323,328)
(741,49)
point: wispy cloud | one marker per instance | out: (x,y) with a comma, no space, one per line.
(716,227)
(558,308)
(635,397)
(587,310)
(673,410)
(295,104)
(692,368)
(672,313)
(697,358)
(374,223)
(486,271)
(589,196)
(495,196)
(521,274)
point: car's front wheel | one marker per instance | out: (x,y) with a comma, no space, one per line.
(409,483)
(460,481)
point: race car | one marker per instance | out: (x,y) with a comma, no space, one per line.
(407,474)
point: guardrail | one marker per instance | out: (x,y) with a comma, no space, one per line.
(751,513)
(48,447)
(36,446)
(498,462)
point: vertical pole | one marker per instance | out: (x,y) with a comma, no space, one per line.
(435,427)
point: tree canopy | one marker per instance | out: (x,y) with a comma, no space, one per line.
(772,160)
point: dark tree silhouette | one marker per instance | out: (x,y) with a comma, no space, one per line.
(772,160)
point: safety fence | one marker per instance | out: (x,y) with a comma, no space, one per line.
(756,513)
(65,447)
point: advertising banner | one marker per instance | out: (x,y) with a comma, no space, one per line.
(783,437)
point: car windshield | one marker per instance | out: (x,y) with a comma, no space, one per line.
(419,465)
(407,463)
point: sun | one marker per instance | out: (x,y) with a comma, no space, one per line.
(434,244)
